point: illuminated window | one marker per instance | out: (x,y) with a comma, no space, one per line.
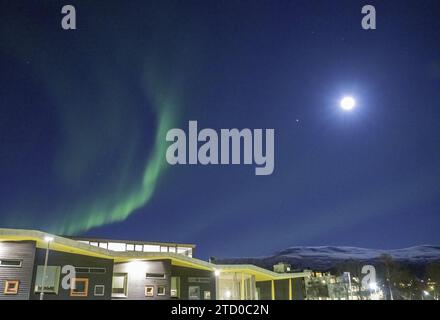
(103,245)
(119,286)
(161,290)
(115,246)
(207,295)
(138,247)
(95,244)
(151,248)
(175,287)
(149,291)
(80,287)
(130,247)
(185,251)
(163,249)
(52,280)
(11,286)
(172,249)
(90,270)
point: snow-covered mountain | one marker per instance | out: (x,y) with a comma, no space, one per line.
(327,257)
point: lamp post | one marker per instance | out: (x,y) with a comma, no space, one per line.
(217,284)
(43,279)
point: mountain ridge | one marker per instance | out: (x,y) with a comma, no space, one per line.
(324,258)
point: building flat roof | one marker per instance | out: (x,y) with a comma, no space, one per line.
(69,245)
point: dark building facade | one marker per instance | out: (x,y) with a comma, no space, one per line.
(95,269)
(16,269)
(93,276)
(193,284)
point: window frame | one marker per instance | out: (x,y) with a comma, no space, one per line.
(57,270)
(84,293)
(149,287)
(175,290)
(120,295)
(16,283)
(164,291)
(99,286)
(11,266)
(155,275)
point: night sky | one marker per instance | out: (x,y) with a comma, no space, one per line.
(84,113)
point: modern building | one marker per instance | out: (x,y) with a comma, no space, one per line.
(32,262)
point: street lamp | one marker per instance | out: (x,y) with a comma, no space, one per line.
(48,240)
(373,286)
(425,294)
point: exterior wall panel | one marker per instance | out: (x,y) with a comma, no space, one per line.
(185,275)
(61,259)
(137,279)
(19,250)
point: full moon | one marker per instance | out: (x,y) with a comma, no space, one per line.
(348,103)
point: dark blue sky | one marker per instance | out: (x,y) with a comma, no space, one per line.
(79,119)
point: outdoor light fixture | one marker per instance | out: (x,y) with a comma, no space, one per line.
(217,273)
(373,286)
(48,240)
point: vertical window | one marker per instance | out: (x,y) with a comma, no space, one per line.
(11,287)
(161,290)
(99,290)
(80,287)
(149,291)
(175,287)
(207,295)
(119,286)
(52,280)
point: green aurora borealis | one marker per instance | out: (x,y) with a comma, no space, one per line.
(104,112)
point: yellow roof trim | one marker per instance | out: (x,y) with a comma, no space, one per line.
(73,246)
